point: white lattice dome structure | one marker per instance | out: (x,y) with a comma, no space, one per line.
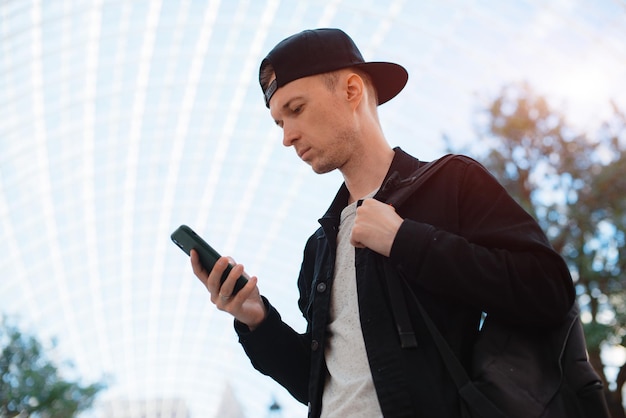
(120,120)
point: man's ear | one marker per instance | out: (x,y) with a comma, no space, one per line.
(355,88)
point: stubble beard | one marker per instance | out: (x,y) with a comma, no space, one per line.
(336,154)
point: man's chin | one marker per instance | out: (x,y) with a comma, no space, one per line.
(322,169)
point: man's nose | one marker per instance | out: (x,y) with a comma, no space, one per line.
(289,135)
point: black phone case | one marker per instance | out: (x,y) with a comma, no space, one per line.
(185,238)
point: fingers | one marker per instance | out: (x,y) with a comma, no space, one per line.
(247,305)
(220,287)
(214,278)
(225,290)
(211,279)
(363,221)
(354,238)
(375,226)
(197,268)
(224,296)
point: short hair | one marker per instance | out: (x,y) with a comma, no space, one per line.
(265,74)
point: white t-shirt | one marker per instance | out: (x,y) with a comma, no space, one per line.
(349,390)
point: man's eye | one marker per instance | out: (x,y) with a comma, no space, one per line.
(297,109)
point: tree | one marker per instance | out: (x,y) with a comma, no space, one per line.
(31,385)
(574,184)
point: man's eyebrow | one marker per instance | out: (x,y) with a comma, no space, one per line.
(286,107)
(290,101)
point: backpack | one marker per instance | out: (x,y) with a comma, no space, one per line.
(515,372)
(522,373)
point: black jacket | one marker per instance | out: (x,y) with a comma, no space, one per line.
(465,247)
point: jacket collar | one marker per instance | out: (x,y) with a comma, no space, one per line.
(401,173)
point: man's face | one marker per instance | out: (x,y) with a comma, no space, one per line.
(316,121)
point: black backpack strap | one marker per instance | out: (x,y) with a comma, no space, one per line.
(467,390)
(400,311)
(475,399)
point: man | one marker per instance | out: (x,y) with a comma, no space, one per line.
(447,229)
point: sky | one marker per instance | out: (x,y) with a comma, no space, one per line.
(123,119)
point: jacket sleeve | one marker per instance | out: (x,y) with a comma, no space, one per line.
(278,351)
(497,259)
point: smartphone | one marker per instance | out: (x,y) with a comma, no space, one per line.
(187,240)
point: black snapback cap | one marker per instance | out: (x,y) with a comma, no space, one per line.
(318,51)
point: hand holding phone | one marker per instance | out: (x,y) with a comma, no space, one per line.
(187,240)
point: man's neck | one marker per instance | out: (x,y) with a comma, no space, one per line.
(368,173)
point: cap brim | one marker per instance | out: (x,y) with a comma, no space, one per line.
(388,78)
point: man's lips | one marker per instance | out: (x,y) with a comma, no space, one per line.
(302,152)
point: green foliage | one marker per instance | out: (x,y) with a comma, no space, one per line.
(31,385)
(574,184)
